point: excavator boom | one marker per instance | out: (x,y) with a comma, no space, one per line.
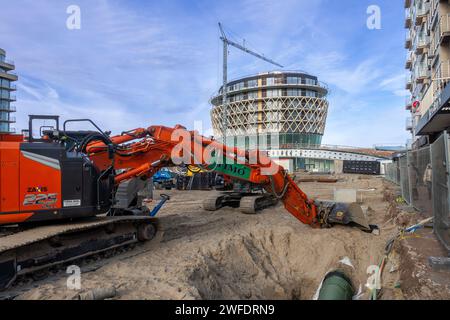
(105,168)
(160,146)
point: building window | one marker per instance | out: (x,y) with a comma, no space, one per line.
(292,80)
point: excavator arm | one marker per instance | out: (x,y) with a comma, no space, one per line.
(143,152)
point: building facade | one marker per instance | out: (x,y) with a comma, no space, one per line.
(287,108)
(7,89)
(428,62)
(422,172)
(283,113)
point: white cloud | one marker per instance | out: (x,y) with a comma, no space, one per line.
(396,85)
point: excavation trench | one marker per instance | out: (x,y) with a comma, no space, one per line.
(265,265)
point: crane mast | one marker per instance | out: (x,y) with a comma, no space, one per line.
(227,42)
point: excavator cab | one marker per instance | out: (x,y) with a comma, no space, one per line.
(47,124)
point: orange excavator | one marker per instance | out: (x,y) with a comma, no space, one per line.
(67,176)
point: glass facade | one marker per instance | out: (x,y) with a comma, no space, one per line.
(276,141)
(272,81)
(315,165)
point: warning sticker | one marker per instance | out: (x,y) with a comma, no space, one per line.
(72,203)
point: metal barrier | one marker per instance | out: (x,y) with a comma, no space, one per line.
(440,157)
(424,178)
(419,171)
(392,172)
(404,179)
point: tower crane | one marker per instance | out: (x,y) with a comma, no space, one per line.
(227,42)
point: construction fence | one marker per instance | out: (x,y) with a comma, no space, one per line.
(424,180)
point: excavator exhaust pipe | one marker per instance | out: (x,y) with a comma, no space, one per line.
(351,214)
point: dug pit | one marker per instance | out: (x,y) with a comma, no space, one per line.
(228,255)
(267,265)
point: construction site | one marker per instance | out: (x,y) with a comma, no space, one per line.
(198,254)
(260,210)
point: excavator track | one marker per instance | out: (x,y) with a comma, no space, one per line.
(31,250)
(25,282)
(248,203)
(213,203)
(254,204)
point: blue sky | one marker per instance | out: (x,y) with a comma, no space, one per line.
(138,63)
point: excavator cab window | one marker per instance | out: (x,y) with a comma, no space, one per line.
(39,124)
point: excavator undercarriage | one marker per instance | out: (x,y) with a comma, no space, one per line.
(248,197)
(33,248)
(248,203)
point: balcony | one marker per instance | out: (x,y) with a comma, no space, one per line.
(408,63)
(422,73)
(7,119)
(10,75)
(433,14)
(408,41)
(7,64)
(434,45)
(8,108)
(421,43)
(409,124)
(8,97)
(441,77)
(442,71)
(11,87)
(408,18)
(422,12)
(444,26)
(408,83)
(408,104)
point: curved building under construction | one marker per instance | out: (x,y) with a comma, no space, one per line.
(290,106)
(273,110)
(283,113)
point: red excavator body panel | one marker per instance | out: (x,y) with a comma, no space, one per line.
(27,183)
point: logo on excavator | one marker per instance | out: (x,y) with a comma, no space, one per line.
(44,199)
(37,189)
(233,170)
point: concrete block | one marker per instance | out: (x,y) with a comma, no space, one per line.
(338,166)
(345,195)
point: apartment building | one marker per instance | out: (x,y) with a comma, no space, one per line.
(428,60)
(6,93)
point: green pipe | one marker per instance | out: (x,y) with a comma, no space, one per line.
(336,286)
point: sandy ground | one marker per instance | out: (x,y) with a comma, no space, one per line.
(229,255)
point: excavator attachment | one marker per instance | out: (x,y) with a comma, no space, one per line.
(351,214)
